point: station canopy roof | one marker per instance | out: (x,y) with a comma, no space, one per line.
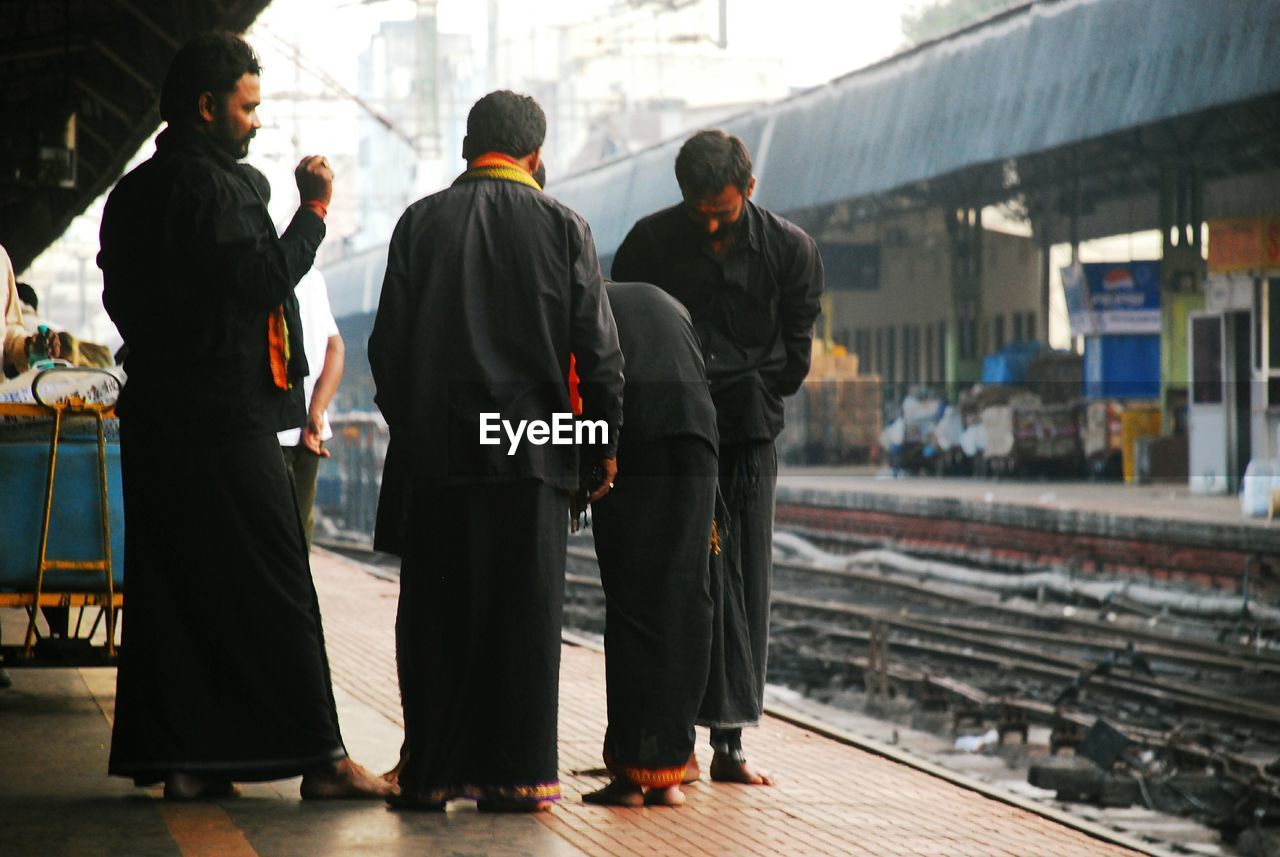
(79,88)
(1100,92)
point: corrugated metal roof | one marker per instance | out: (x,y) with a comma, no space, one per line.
(1044,76)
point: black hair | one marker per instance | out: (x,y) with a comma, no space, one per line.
(212,62)
(27,295)
(506,122)
(710,160)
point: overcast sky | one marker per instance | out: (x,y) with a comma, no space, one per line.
(816,39)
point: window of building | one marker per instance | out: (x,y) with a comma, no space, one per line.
(997,332)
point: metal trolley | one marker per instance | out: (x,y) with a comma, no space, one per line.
(62,547)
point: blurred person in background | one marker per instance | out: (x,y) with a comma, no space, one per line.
(18,341)
(304,447)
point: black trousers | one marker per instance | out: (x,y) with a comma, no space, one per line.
(748,483)
(223,669)
(478,640)
(653,539)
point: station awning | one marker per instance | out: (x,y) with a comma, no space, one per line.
(79,85)
(1100,90)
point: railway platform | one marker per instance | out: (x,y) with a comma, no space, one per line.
(1160,530)
(834,797)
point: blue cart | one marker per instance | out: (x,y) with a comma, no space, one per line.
(62,524)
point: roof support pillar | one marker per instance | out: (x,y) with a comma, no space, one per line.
(1181,279)
(965,327)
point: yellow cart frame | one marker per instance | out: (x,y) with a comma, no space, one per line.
(107,598)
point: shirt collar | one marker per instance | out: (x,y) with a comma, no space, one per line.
(178,137)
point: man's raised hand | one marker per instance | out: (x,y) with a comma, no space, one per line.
(315,179)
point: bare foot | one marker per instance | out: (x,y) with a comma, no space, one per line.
(345,779)
(499,804)
(692,770)
(182,786)
(393,776)
(665,796)
(727,769)
(617,793)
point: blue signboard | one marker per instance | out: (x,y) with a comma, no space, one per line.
(1113,297)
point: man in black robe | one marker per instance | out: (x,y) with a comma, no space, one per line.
(654,540)
(752,283)
(490,286)
(223,674)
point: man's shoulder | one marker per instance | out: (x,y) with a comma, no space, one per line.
(662,220)
(176,172)
(778,226)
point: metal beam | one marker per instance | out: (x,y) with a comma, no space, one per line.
(83,127)
(124,66)
(8,57)
(106,103)
(146,21)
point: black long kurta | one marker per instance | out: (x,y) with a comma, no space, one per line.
(490,286)
(754,312)
(222,667)
(653,540)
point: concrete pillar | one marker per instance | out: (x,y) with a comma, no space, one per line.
(1181,280)
(965,330)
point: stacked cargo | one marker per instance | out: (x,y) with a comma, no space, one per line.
(835,417)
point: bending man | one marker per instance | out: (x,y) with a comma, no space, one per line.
(654,539)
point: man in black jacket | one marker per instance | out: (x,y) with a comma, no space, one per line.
(490,286)
(752,283)
(223,673)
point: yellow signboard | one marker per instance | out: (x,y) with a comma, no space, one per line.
(1244,244)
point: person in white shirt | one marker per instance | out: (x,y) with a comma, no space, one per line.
(303,447)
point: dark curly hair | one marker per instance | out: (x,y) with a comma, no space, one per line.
(710,160)
(506,122)
(213,62)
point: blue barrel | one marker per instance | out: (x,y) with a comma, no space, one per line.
(75,524)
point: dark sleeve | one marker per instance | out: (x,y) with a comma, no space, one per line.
(594,338)
(392,331)
(231,234)
(798,307)
(630,263)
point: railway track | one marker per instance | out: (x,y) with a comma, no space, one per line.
(1154,675)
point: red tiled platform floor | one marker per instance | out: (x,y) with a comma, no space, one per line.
(832,798)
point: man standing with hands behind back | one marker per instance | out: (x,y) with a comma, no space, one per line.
(751,282)
(223,674)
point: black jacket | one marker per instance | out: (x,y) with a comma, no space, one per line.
(490,286)
(753,311)
(192,269)
(666,392)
